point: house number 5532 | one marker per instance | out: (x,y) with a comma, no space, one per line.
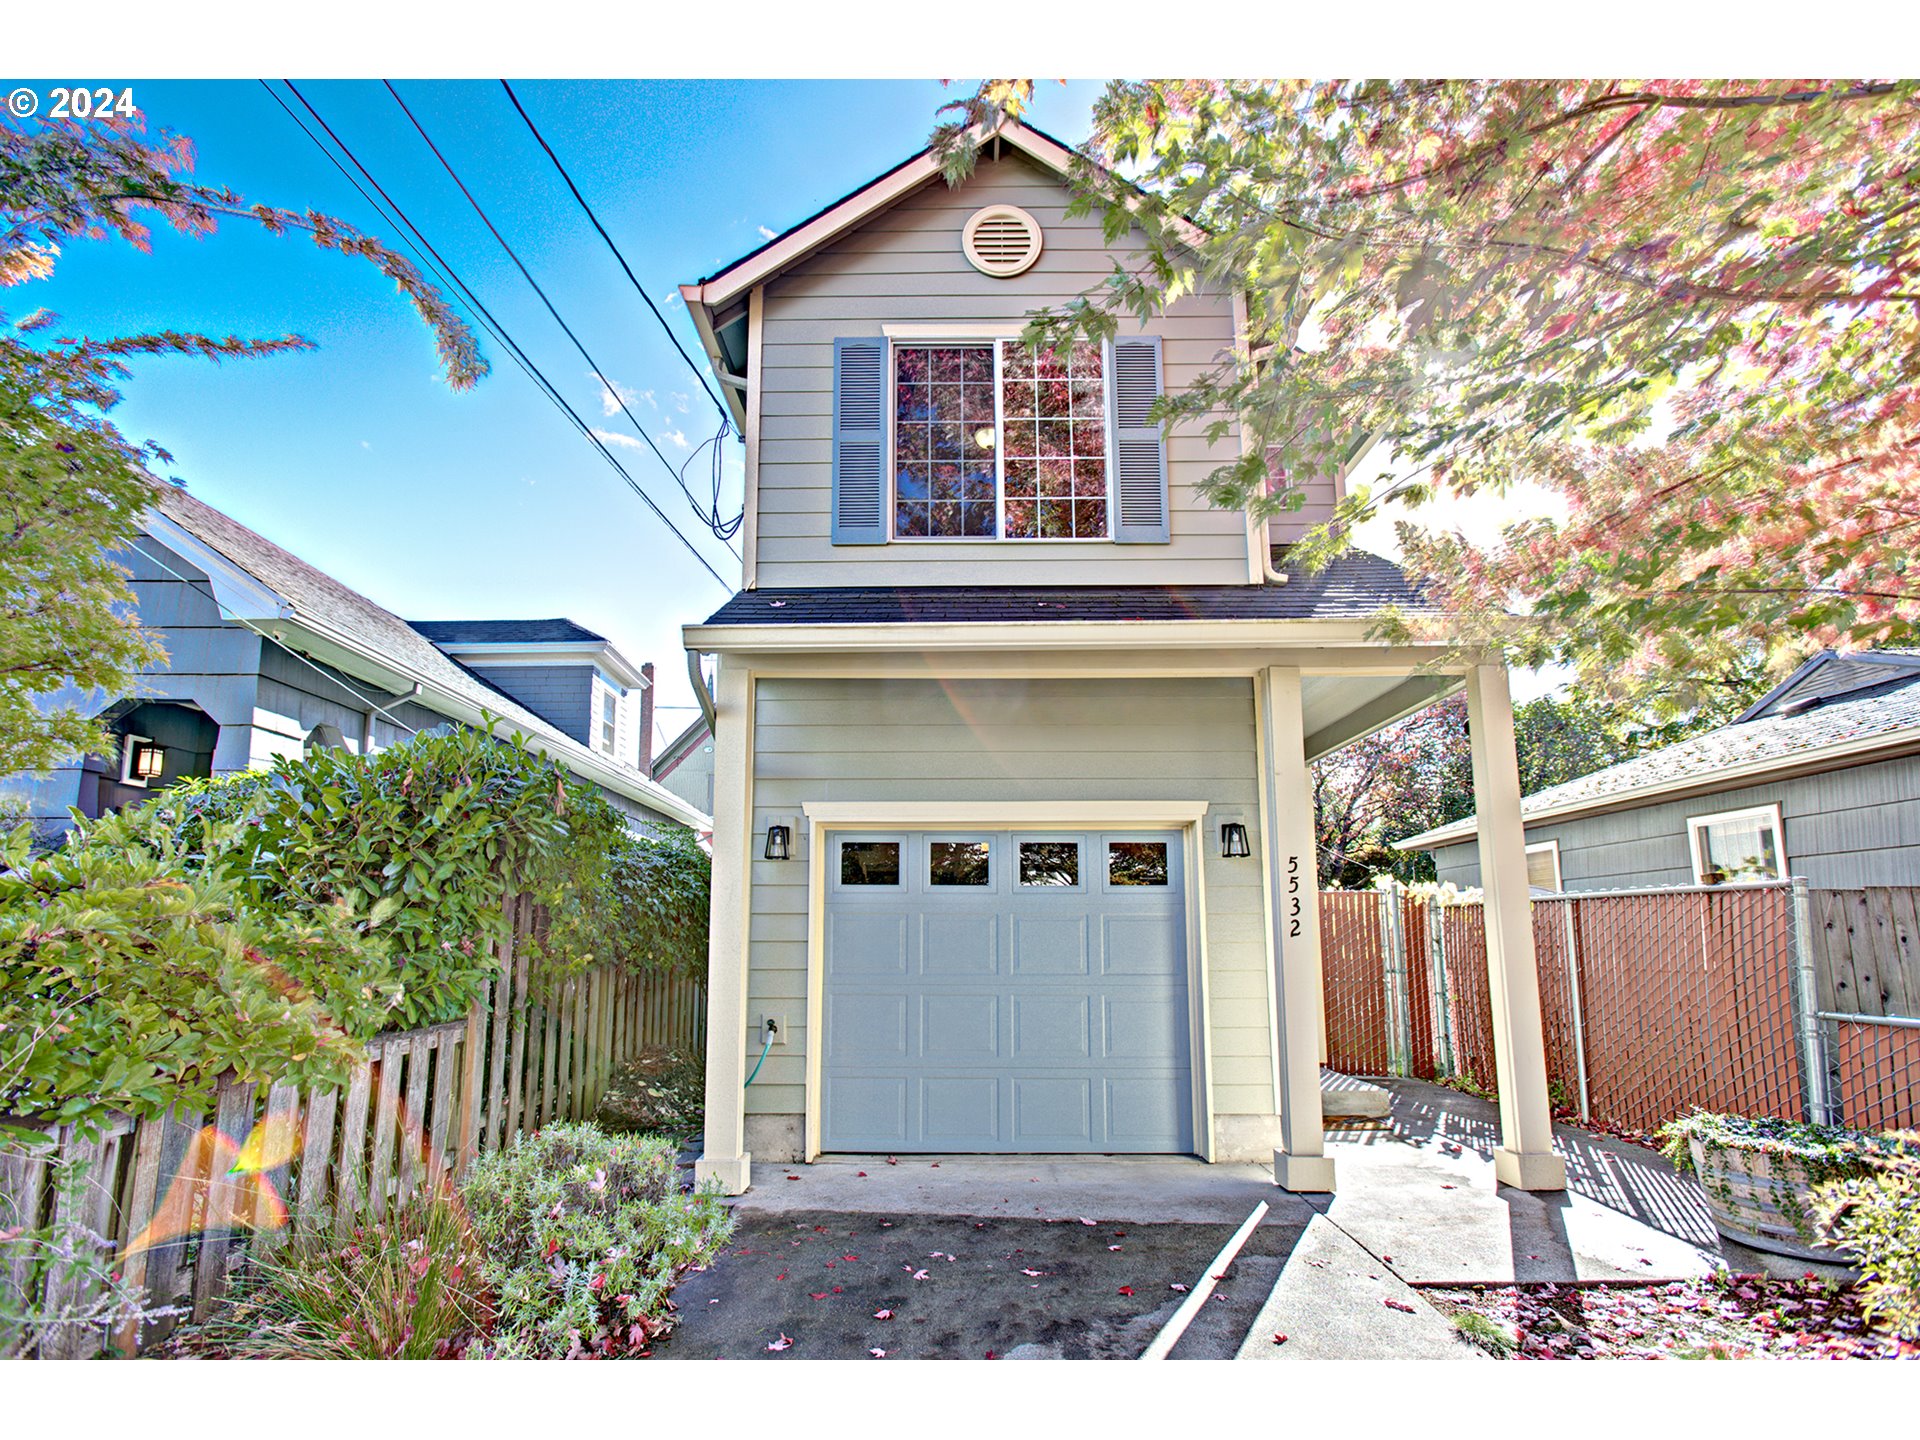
(1293,897)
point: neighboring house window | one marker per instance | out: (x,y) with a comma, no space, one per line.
(991,440)
(609,721)
(1543,865)
(1738,847)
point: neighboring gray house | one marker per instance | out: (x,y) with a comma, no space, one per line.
(1820,779)
(1012,728)
(685,765)
(268,656)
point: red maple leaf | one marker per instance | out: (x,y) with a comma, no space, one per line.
(1126,1289)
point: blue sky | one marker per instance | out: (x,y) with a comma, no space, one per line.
(356,456)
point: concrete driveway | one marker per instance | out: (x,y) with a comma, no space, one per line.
(973,1257)
(977,1255)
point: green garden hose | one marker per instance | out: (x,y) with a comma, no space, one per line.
(761,1061)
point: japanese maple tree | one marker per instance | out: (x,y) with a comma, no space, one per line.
(1685,308)
(72,487)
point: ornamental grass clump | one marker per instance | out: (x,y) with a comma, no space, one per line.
(406,1287)
(585,1234)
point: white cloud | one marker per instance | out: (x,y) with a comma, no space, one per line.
(366,444)
(765,233)
(613,393)
(679,401)
(614,437)
(674,437)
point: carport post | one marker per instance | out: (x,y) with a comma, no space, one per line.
(1286,813)
(1524,1158)
(726,1159)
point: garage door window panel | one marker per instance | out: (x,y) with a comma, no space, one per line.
(1050,865)
(1136,863)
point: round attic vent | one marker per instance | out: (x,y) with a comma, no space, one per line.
(1001,240)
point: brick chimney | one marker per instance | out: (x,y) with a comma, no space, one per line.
(646,718)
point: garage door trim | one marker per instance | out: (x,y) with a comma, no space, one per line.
(824,819)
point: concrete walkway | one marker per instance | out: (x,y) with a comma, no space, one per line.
(1417,1203)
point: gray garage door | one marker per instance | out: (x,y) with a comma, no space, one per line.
(1007,992)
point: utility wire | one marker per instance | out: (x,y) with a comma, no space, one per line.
(698,373)
(725,529)
(443,270)
(558,319)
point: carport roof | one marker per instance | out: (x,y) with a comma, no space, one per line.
(1352,586)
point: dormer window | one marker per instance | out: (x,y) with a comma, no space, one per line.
(609,730)
(991,440)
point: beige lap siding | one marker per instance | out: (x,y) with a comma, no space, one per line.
(1011,740)
(905,267)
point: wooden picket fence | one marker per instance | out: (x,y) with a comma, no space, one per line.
(181,1198)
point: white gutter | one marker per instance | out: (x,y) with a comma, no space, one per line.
(1037,635)
(1887,745)
(589,764)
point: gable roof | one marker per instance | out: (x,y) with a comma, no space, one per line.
(305,609)
(1872,723)
(503,632)
(680,747)
(728,286)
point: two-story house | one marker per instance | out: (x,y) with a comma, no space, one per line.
(1014,840)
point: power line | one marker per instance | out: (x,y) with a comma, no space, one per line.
(552,310)
(640,289)
(444,270)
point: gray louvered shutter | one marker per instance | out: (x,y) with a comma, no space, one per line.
(1139,497)
(859,441)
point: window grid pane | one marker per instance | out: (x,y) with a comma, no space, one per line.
(944,441)
(1054,443)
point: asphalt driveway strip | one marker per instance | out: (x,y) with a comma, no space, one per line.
(833,1285)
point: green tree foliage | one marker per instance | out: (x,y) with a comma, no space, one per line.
(1418,773)
(72,488)
(1686,308)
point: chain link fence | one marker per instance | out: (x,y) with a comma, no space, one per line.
(1653,1002)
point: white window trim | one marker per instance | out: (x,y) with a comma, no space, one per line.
(128,744)
(1768,813)
(1550,847)
(991,333)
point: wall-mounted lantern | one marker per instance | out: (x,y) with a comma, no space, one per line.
(148,761)
(1233,840)
(779,842)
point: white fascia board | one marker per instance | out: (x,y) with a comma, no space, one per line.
(548,652)
(716,356)
(1013,814)
(1885,746)
(580,759)
(1034,635)
(234,590)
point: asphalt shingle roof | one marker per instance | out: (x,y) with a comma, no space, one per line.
(1887,710)
(506,632)
(1353,586)
(317,596)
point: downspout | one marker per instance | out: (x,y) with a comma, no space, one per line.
(701,693)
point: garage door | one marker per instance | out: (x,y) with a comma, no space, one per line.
(1007,992)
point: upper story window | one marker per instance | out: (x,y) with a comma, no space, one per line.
(991,440)
(607,736)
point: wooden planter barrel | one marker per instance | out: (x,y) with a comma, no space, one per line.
(1760,1198)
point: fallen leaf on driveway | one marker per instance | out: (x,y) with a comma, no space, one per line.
(1177,1286)
(1113,1247)
(936,1165)
(1279,1339)
(781,1276)
(919,1274)
(892,1161)
(839,1290)
(859,1174)
(820,1296)
(992,1356)
(878,1354)
(1033,1272)
(883,1314)
(793,1177)
(1399,1305)
(1126,1290)
(849,1257)
(1387,1258)
(785,1342)
(1085,1221)
(1449,1187)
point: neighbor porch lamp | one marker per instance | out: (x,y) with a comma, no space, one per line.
(779,839)
(148,761)
(1233,840)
